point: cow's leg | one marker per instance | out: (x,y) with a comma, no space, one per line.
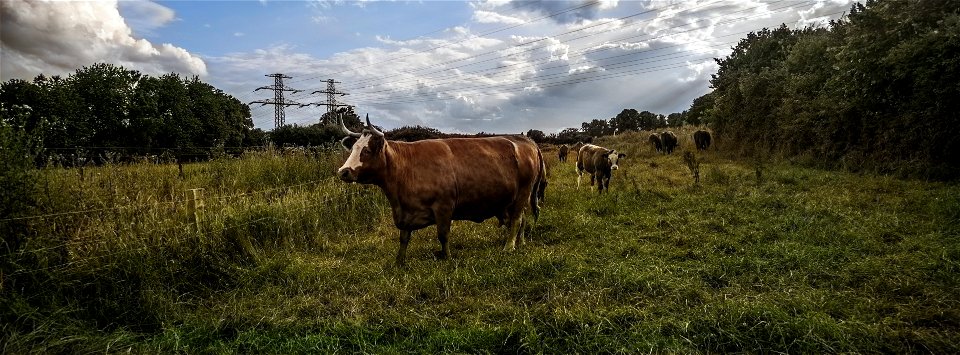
(511,233)
(592,178)
(443,230)
(520,231)
(579,175)
(402,253)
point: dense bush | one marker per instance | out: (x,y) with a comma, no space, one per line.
(413,134)
(876,91)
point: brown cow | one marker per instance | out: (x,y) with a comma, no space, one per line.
(657,143)
(669,141)
(436,181)
(599,162)
(702,139)
(564,150)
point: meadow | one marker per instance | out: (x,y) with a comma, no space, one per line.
(759,256)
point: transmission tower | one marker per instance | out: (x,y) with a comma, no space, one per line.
(332,93)
(278,101)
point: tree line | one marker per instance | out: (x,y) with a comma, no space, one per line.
(627,120)
(104,105)
(874,91)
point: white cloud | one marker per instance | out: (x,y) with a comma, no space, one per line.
(482,16)
(56,38)
(145,16)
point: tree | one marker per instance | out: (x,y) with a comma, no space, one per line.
(626,120)
(536,135)
(699,110)
(649,120)
(350,118)
(597,128)
(675,119)
(571,136)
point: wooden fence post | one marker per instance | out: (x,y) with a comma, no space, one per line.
(195,206)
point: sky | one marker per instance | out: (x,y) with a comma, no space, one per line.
(495,66)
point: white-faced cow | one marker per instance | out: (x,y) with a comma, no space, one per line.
(599,162)
(436,181)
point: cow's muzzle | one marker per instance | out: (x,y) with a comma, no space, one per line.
(347,175)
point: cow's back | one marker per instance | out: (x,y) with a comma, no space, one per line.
(476,177)
(587,157)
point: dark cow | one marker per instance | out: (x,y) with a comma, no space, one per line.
(436,181)
(656,142)
(702,139)
(669,141)
(564,151)
(566,148)
(599,162)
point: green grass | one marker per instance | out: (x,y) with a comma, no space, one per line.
(801,260)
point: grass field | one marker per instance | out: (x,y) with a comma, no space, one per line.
(757,257)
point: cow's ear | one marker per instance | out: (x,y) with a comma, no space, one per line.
(621,155)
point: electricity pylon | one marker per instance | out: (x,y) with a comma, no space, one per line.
(278,101)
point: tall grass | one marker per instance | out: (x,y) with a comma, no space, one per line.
(802,261)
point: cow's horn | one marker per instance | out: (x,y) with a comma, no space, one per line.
(344,145)
(344,128)
(372,128)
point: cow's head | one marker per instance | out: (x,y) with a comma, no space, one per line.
(614,158)
(366,158)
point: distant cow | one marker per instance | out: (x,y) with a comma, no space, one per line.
(702,139)
(564,150)
(436,181)
(669,141)
(599,162)
(656,142)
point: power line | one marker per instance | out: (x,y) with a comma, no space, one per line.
(578,38)
(588,4)
(613,65)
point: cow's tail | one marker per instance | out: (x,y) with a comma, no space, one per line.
(539,187)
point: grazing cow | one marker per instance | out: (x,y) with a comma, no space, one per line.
(564,150)
(702,139)
(436,181)
(599,162)
(669,141)
(656,142)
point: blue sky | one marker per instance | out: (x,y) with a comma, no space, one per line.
(459,66)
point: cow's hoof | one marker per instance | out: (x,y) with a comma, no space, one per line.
(440,254)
